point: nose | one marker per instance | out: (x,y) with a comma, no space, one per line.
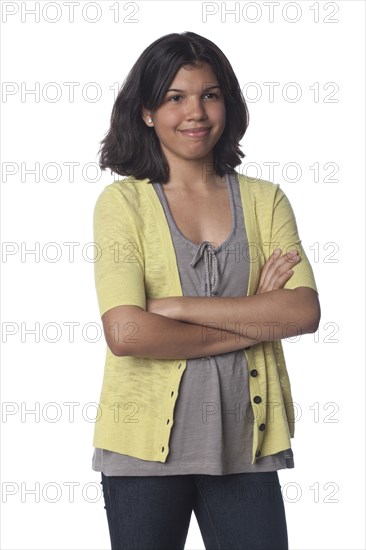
(195,109)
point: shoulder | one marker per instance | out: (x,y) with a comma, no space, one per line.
(262,193)
(121,193)
(257,187)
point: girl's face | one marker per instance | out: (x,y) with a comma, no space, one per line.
(193,101)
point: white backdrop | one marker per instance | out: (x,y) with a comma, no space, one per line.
(301,68)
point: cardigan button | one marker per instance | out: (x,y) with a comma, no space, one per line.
(257,399)
(262,427)
(253,372)
(257,453)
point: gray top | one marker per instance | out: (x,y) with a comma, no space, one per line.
(213,417)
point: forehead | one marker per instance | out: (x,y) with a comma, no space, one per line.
(189,74)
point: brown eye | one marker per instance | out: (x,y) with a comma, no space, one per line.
(213,95)
(174,97)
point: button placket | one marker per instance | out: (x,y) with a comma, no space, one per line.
(257,400)
(172,392)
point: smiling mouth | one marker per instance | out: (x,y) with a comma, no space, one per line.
(200,132)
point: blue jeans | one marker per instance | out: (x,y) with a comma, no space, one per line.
(234,512)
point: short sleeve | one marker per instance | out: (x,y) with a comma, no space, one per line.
(118,264)
(284,235)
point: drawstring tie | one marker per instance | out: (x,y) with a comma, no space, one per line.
(211,265)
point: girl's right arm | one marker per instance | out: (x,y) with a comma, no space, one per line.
(119,277)
(129,330)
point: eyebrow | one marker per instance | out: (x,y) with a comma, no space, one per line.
(205,89)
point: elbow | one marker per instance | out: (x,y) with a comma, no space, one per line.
(121,326)
(120,353)
(308,309)
(313,318)
(120,349)
(312,326)
(115,348)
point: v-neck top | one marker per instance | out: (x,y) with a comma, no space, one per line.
(213,417)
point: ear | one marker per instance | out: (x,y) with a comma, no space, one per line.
(146,116)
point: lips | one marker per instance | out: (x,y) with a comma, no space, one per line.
(196,132)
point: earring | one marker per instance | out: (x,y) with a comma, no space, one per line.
(150,120)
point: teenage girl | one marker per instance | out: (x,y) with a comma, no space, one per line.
(200,275)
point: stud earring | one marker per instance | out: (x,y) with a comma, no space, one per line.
(150,119)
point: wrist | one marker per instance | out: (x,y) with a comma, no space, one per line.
(176,308)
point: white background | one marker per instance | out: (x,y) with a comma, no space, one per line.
(45,453)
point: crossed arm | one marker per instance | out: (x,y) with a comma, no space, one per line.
(271,314)
(190,327)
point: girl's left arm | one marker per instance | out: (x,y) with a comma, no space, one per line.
(273,315)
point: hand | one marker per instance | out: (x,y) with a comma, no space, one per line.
(277,271)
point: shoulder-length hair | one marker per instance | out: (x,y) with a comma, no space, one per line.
(130,147)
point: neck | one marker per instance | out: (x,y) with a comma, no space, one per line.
(193,176)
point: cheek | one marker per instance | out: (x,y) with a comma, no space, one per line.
(218,114)
(168,120)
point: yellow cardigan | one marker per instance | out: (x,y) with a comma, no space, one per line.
(136,260)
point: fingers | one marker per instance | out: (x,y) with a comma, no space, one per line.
(284,262)
(270,261)
(277,270)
